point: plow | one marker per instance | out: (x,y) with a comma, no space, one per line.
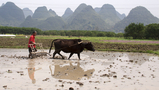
(38,53)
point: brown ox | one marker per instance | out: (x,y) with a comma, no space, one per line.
(70,46)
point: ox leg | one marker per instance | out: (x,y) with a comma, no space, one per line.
(70,55)
(61,55)
(79,56)
(58,53)
(54,54)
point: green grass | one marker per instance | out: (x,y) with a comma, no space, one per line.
(91,39)
(81,37)
(152,52)
(95,39)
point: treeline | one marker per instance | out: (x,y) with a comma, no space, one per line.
(139,31)
(28,31)
(18,30)
(82,33)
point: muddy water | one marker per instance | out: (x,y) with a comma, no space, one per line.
(95,71)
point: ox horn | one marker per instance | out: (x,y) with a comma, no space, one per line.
(80,42)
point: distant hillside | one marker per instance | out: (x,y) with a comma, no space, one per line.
(52,23)
(27,12)
(52,13)
(78,10)
(2,4)
(67,13)
(85,18)
(109,15)
(30,22)
(97,9)
(11,15)
(42,13)
(121,16)
(137,15)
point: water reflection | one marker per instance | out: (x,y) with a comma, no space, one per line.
(70,71)
(139,58)
(31,70)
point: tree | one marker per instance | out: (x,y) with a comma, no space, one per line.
(136,31)
(119,35)
(110,34)
(18,30)
(152,31)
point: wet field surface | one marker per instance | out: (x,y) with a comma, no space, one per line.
(95,71)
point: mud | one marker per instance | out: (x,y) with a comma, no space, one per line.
(95,71)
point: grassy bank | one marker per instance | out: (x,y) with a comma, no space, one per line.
(98,42)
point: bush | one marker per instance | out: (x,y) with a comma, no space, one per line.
(136,31)
(139,31)
(152,31)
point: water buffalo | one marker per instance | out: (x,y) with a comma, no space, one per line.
(70,46)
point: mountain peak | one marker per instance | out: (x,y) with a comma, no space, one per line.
(43,9)
(139,11)
(26,9)
(87,19)
(141,14)
(68,10)
(41,13)
(67,13)
(76,12)
(107,6)
(11,14)
(80,7)
(52,13)
(27,12)
(109,14)
(97,9)
(88,8)
(10,4)
(138,14)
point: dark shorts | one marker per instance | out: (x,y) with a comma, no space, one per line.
(31,50)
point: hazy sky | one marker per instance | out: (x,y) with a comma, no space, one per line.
(59,6)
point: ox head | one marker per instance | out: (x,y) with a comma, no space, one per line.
(89,46)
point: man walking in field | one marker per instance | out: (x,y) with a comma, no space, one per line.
(31,43)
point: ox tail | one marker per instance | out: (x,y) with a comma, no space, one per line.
(51,46)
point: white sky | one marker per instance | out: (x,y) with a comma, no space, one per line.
(59,6)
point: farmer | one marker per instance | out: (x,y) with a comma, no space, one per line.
(32,41)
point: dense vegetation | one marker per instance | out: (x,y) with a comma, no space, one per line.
(28,31)
(139,31)
(18,30)
(135,31)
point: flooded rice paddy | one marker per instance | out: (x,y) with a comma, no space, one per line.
(95,71)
